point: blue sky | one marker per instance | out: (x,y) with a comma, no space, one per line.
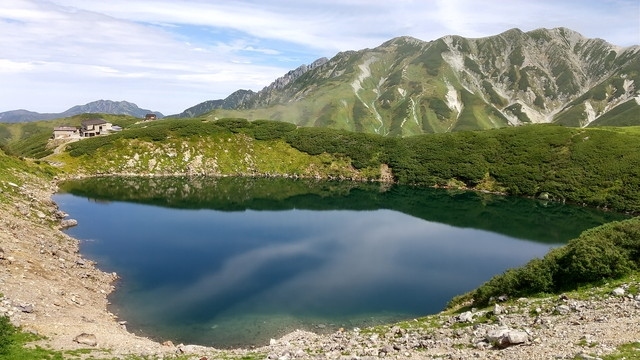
(168,55)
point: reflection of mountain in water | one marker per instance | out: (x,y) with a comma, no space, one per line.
(515,217)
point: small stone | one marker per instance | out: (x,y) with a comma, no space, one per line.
(86,339)
(68,223)
(466,316)
(517,337)
(618,291)
(585,356)
(497,309)
(496,334)
(27,308)
(22,209)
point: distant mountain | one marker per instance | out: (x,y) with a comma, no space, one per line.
(247,99)
(230,102)
(408,86)
(100,106)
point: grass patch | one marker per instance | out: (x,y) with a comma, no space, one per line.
(625,352)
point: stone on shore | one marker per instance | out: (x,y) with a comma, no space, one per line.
(86,339)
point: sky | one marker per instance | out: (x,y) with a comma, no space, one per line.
(169,55)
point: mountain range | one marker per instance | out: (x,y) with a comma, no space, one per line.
(408,86)
(100,106)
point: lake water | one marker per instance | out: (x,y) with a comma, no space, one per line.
(234,262)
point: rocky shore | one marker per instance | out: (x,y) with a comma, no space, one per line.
(49,289)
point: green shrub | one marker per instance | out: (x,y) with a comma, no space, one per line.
(89,146)
(609,251)
(270,130)
(34,146)
(233,124)
(7,330)
(363,149)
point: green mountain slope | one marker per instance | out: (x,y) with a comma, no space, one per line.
(407,86)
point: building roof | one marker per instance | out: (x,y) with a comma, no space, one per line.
(65,128)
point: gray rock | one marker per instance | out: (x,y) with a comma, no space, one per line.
(68,223)
(26,308)
(563,309)
(618,291)
(517,337)
(22,209)
(504,337)
(494,335)
(497,309)
(466,316)
(585,356)
(86,339)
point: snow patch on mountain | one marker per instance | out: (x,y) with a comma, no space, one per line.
(589,112)
(453,101)
(365,72)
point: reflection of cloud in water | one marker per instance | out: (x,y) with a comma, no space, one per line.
(352,257)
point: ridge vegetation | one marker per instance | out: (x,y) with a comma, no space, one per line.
(599,167)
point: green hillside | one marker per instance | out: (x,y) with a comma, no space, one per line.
(597,167)
(31,139)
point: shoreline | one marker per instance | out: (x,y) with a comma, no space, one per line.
(50,290)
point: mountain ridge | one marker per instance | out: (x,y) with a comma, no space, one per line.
(98,106)
(407,86)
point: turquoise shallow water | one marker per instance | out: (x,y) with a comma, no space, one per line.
(210,275)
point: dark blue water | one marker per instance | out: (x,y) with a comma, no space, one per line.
(239,278)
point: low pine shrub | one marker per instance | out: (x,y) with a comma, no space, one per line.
(606,252)
(7,330)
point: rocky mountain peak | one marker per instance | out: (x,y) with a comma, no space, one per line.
(408,86)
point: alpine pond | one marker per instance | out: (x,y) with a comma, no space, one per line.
(230,262)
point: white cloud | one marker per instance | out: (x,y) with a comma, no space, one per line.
(207,50)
